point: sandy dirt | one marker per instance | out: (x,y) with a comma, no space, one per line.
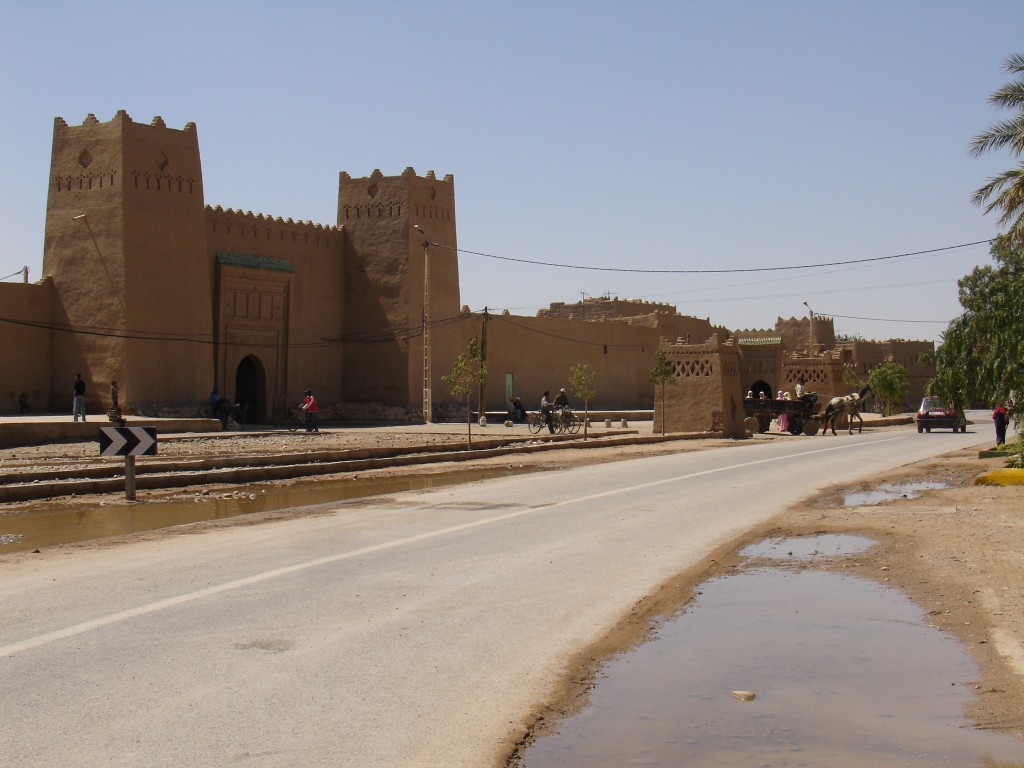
(958,552)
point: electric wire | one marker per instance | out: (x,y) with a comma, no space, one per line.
(371,336)
(733,270)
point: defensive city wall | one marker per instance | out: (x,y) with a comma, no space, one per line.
(145,283)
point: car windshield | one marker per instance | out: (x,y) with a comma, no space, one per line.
(930,403)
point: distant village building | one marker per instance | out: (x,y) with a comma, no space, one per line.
(146,284)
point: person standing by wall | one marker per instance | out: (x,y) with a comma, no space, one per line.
(115,395)
(312,410)
(78,404)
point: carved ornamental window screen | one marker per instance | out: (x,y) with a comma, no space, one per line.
(693,367)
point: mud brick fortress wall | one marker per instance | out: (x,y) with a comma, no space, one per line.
(146,283)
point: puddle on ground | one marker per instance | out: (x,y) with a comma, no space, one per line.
(808,547)
(889,491)
(845,674)
(50,524)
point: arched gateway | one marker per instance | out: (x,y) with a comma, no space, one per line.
(251,390)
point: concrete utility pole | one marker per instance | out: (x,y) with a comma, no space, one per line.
(810,344)
(428,415)
(481,403)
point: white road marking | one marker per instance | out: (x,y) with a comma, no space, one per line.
(172,602)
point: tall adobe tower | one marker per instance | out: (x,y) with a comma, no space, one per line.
(126,248)
(384,283)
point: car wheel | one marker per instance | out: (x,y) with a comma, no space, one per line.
(920,429)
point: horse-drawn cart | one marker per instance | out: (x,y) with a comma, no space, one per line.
(801,415)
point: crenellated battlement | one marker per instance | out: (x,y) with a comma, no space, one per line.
(121,117)
(122,154)
(756,333)
(246,225)
(396,197)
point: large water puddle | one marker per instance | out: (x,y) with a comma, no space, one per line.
(844,672)
(53,523)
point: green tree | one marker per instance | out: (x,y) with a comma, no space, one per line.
(662,373)
(581,382)
(1005,192)
(889,384)
(850,377)
(981,356)
(469,372)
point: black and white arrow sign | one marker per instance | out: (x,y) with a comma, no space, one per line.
(127,441)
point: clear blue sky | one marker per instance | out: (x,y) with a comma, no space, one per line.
(647,135)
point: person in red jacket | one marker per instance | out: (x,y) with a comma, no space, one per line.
(1000,420)
(310,407)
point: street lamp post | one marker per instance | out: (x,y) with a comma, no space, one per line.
(428,416)
(811,329)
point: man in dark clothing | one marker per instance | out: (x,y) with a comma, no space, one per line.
(222,410)
(78,405)
(562,401)
(545,408)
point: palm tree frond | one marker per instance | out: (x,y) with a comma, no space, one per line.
(1007,133)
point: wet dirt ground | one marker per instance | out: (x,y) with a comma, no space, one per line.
(784,664)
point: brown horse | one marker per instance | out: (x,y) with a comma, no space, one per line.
(850,405)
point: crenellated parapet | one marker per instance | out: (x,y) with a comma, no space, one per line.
(121,117)
(379,197)
(144,167)
(232,224)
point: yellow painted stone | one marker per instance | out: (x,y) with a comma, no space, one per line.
(1006,476)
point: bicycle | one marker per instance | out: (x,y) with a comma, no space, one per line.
(567,422)
(535,422)
(563,421)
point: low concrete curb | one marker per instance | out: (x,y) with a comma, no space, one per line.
(20,432)
(184,473)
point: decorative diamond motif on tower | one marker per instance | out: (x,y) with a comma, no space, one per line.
(85,159)
(163,161)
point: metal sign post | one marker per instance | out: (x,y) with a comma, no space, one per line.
(128,442)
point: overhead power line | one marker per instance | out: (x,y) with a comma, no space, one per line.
(368,336)
(883,319)
(712,271)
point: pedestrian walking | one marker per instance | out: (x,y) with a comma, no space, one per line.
(78,404)
(309,405)
(1000,420)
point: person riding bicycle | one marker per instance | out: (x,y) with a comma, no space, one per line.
(562,405)
(546,407)
(562,401)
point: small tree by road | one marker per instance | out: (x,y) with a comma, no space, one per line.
(663,373)
(582,379)
(889,384)
(581,382)
(469,372)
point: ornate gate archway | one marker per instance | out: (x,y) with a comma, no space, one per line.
(251,390)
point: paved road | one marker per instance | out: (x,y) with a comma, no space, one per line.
(415,630)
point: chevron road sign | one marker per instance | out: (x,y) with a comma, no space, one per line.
(127,441)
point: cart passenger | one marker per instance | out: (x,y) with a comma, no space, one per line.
(783,419)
